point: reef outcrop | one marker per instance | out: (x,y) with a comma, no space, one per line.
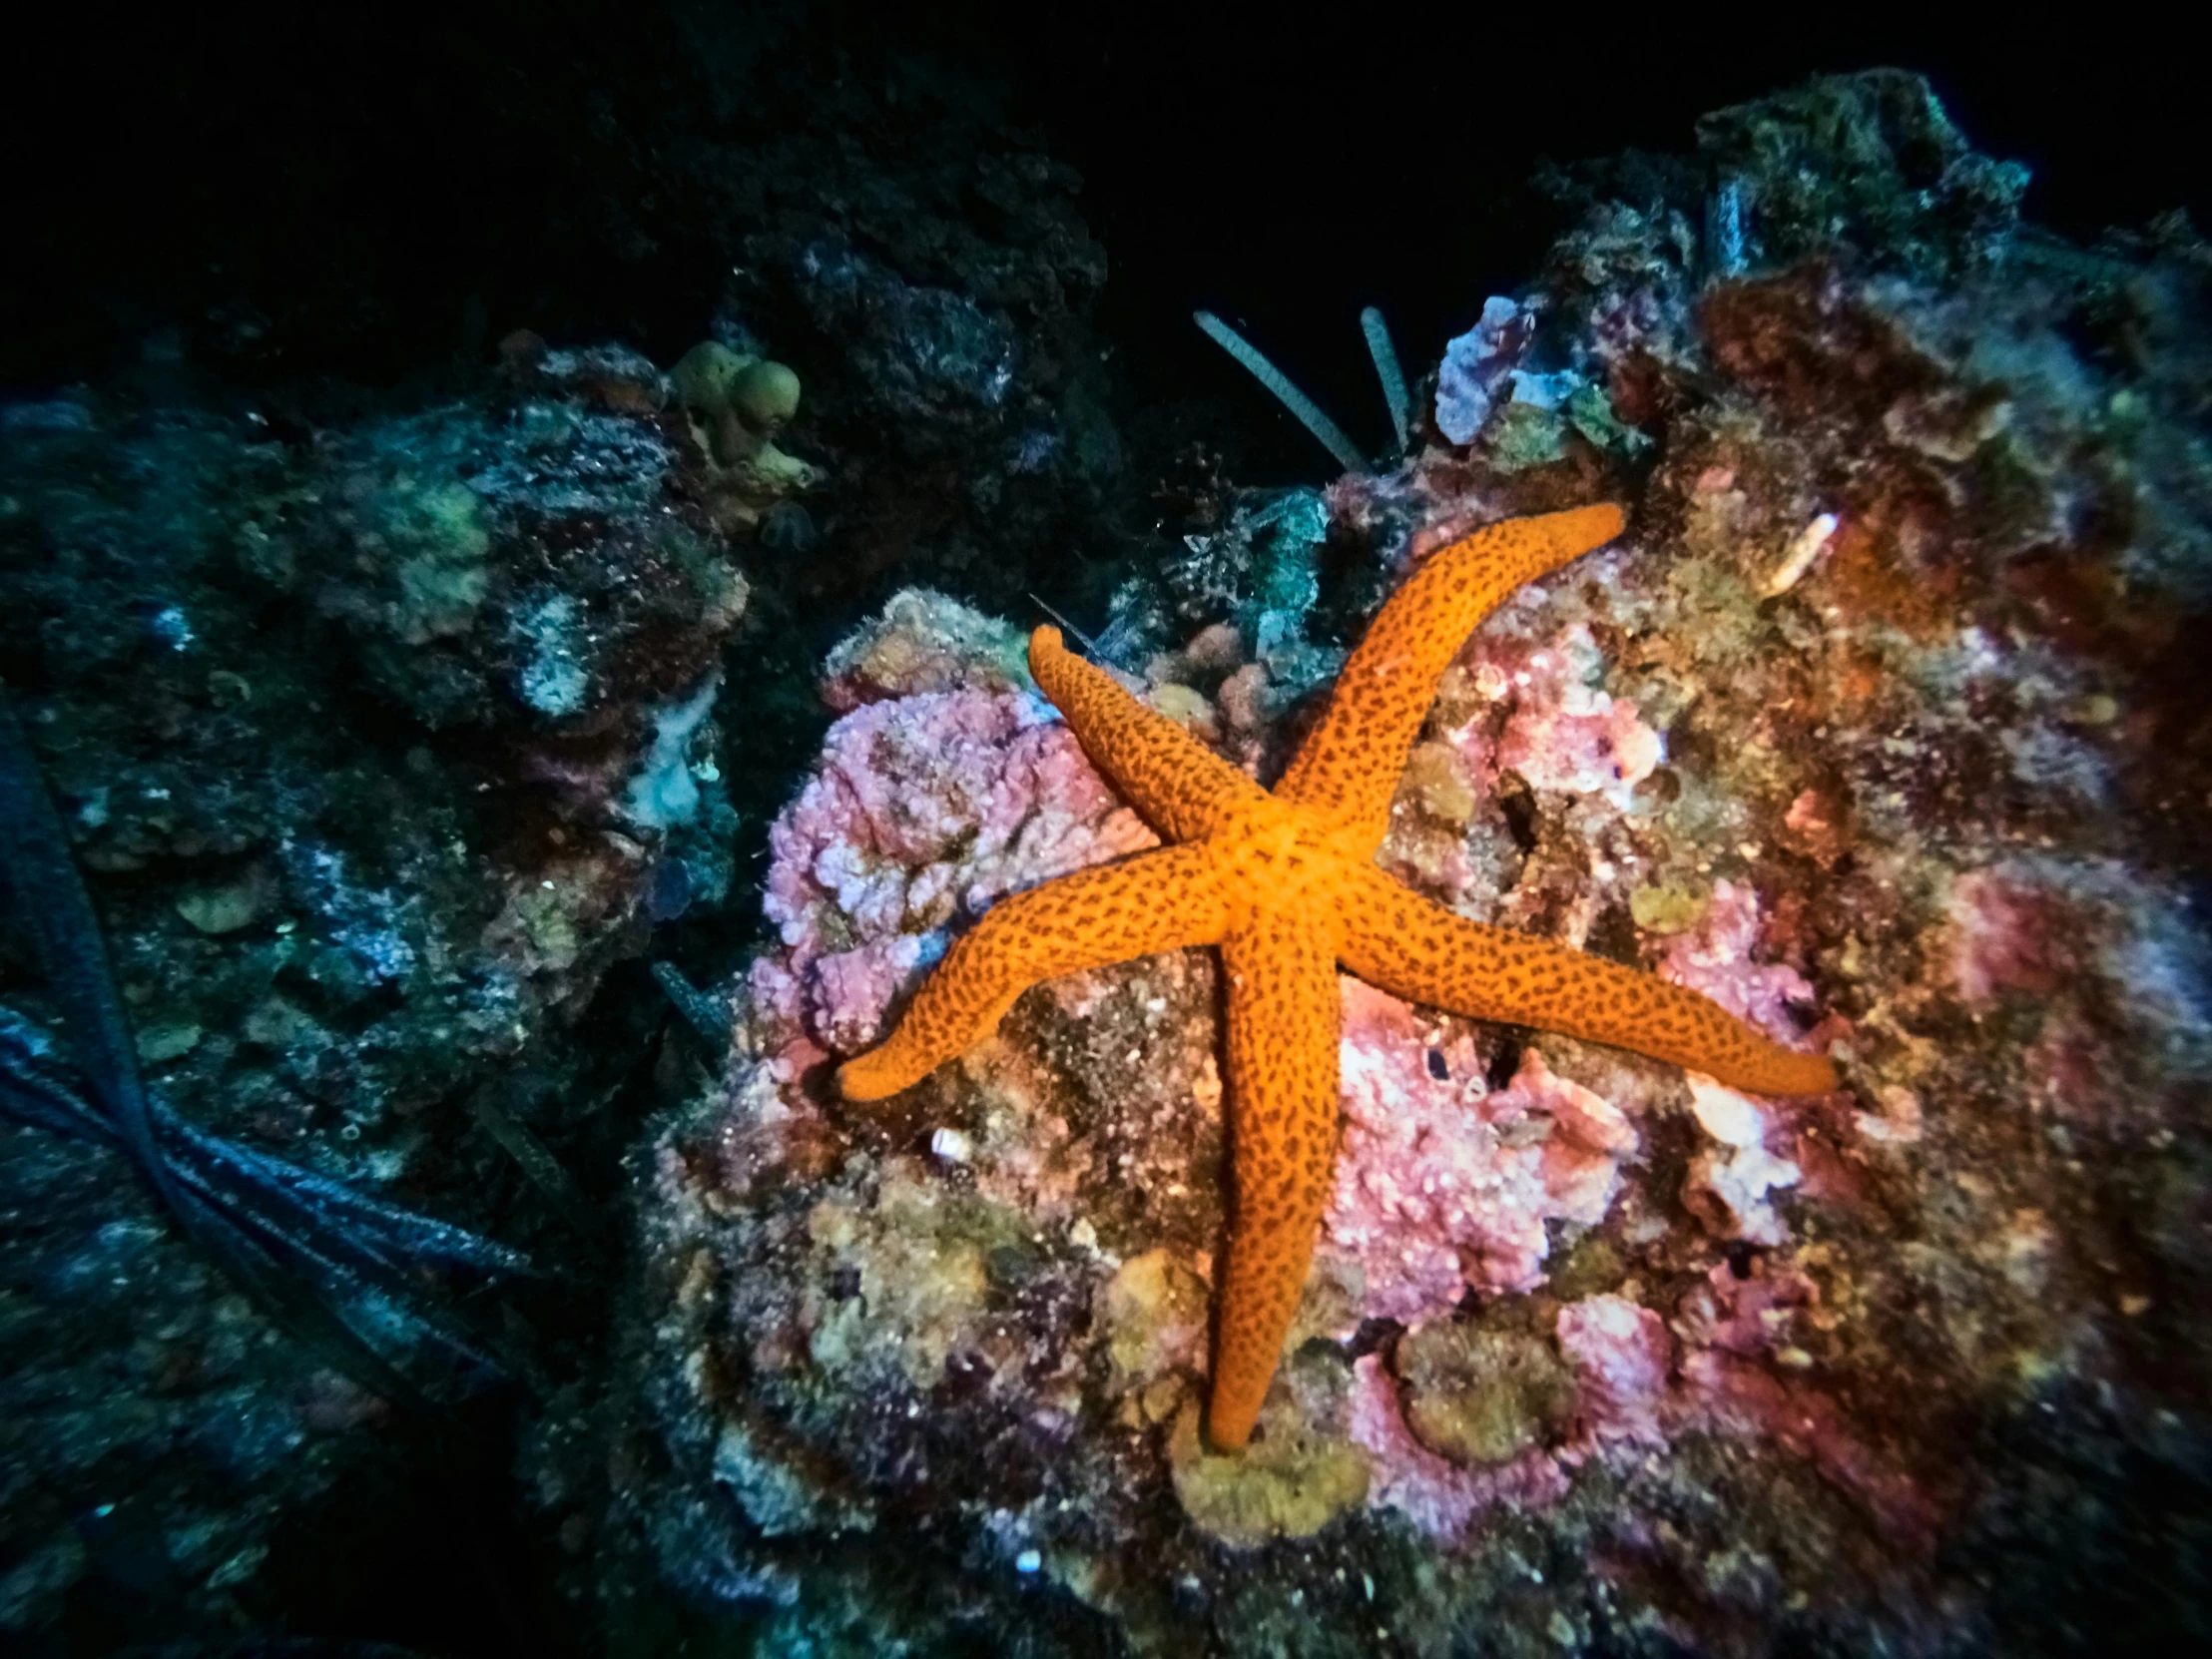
(1879,726)
(379,744)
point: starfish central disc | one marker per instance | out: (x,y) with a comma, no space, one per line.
(1285,886)
(1278,855)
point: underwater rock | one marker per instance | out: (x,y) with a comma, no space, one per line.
(1250,589)
(934,356)
(1867,166)
(923,642)
(1738,1372)
(942,281)
(373,745)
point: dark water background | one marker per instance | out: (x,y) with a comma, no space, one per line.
(1286,174)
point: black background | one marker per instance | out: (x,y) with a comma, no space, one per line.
(1283,169)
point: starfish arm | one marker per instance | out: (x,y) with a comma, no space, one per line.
(1158,900)
(1180,787)
(1283,1019)
(1401,942)
(1350,767)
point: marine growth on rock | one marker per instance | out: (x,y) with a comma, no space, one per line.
(1867,731)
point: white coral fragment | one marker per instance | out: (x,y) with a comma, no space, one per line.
(1729,1182)
(1804,548)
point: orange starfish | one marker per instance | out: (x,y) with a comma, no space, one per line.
(1285,883)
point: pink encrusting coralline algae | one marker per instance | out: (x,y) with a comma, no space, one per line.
(1430,1490)
(1562,732)
(1621,1355)
(1443,1184)
(1636,1389)
(1735,1330)
(1714,958)
(1566,735)
(923,811)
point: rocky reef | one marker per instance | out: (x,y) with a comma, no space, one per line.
(1882,726)
(377,612)
(426,751)
(379,743)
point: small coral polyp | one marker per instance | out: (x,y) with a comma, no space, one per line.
(734,405)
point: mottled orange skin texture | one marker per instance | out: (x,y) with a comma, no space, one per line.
(1284,882)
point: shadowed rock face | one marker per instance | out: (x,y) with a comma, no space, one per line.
(390,720)
(1918,780)
(373,751)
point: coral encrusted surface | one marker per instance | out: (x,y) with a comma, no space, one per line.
(1884,725)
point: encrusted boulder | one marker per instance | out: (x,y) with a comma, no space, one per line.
(1872,727)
